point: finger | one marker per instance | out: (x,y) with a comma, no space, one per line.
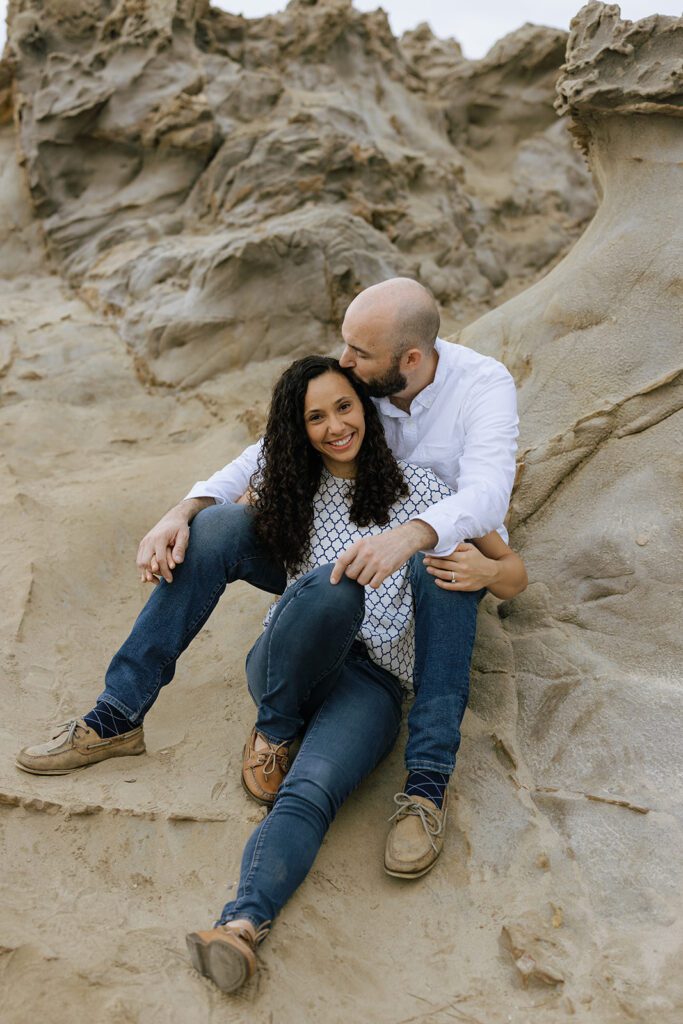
(340,565)
(354,569)
(142,557)
(444,574)
(438,562)
(161,566)
(180,546)
(169,558)
(365,577)
(458,585)
(377,581)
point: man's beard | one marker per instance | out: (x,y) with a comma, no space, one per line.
(391,383)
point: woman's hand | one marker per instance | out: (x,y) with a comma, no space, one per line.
(464,569)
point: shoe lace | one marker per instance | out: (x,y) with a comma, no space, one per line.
(260,933)
(432,820)
(70,729)
(271,758)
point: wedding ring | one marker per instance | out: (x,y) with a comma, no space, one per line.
(452,577)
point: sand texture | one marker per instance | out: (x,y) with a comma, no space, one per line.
(187,200)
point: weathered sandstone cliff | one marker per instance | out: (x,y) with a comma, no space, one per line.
(184,162)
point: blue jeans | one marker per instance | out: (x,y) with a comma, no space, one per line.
(223,547)
(353,709)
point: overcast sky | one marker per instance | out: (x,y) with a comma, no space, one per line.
(476,25)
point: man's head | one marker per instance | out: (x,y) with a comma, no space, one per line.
(389,332)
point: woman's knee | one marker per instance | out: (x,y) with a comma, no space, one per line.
(347,593)
(313,796)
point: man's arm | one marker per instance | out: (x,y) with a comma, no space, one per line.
(165,545)
(371,560)
(230,482)
(487,466)
(485,479)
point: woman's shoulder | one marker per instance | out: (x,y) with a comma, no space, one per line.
(421,475)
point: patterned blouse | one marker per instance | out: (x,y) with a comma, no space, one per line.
(388,630)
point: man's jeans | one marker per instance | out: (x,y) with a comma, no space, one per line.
(353,711)
(224,547)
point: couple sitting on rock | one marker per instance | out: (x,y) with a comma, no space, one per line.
(404,446)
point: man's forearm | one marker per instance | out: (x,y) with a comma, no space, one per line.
(189,507)
(423,536)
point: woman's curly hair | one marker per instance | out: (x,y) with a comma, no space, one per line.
(289,467)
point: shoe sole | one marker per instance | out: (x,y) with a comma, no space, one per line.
(76,768)
(218,961)
(409,874)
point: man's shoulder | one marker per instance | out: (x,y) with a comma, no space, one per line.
(466,361)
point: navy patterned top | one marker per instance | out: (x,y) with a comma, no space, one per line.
(388,630)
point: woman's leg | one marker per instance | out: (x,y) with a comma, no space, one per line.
(302,650)
(353,729)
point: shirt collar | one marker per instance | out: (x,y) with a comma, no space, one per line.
(427,396)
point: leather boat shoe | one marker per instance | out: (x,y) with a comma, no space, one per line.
(416,838)
(264,766)
(74,746)
(226,954)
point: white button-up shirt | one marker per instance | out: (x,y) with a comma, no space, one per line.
(463,426)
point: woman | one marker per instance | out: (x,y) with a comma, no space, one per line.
(336,667)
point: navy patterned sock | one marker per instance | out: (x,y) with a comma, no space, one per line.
(431,785)
(107,721)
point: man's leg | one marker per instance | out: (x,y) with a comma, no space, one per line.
(445,627)
(223,547)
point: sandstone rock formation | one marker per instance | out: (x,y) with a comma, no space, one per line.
(596,641)
(138,127)
(185,162)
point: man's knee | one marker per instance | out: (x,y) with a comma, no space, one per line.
(219,529)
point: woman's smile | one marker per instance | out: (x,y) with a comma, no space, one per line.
(343,442)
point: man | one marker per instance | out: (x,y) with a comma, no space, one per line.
(443,407)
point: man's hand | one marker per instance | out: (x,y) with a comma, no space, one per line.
(464,569)
(371,560)
(165,545)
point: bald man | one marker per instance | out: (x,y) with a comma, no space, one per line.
(443,407)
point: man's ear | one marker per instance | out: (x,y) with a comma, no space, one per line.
(411,359)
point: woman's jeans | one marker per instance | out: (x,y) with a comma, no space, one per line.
(307,666)
(224,547)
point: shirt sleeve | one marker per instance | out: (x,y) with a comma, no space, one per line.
(487,466)
(229,483)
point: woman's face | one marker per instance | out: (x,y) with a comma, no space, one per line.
(335,422)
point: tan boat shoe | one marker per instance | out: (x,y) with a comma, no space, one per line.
(264,766)
(226,954)
(74,746)
(416,837)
